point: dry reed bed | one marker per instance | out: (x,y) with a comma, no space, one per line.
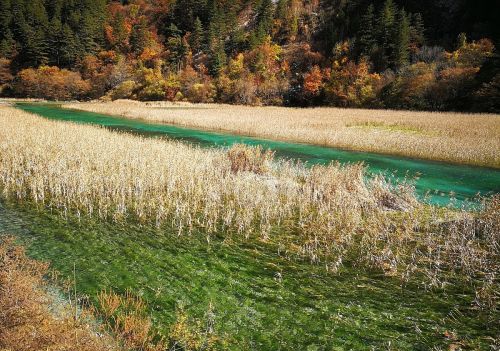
(472,139)
(330,214)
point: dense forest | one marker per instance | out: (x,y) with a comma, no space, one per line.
(408,54)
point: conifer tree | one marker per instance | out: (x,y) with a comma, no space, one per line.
(5,18)
(265,19)
(367,33)
(197,36)
(387,31)
(417,31)
(402,42)
(140,36)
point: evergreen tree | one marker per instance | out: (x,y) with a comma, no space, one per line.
(265,19)
(387,31)
(367,33)
(7,44)
(197,36)
(402,43)
(216,29)
(218,59)
(175,47)
(69,46)
(236,36)
(139,37)
(282,10)
(5,18)
(461,40)
(54,40)
(417,31)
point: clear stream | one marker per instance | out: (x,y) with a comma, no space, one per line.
(260,300)
(440,183)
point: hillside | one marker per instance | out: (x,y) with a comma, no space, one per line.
(406,54)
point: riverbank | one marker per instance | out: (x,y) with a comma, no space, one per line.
(471,139)
(325,214)
(32,317)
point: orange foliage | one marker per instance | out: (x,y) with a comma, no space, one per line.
(473,54)
(51,83)
(313,81)
(148,54)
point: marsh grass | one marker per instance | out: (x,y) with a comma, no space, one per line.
(331,215)
(472,139)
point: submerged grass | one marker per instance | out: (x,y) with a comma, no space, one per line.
(472,139)
(247,295)
(331,215)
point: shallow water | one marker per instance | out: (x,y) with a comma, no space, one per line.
(260,301)
(440,183)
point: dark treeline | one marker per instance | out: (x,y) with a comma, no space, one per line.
(437,55)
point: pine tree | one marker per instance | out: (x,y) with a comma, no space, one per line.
(461,40)
(387,30)
(69,46)
(197,36)
(282,10)
(218,59)
(54,40)
(417,31)
(5,18)
(367,33)
(401,49)
(175,47)
(140,36)
(265,19)
(7,44)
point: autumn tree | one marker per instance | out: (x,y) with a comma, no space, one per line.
(351,84)
(51,83)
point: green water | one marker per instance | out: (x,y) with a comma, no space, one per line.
(261,301)
(438,183)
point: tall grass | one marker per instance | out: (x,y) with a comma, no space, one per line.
(452,137)
(328,214)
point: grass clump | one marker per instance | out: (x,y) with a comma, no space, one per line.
(126,316)
(244,158)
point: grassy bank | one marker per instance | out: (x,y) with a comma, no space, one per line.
(451,137)
(32,318)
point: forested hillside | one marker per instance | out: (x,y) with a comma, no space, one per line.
(435,55)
